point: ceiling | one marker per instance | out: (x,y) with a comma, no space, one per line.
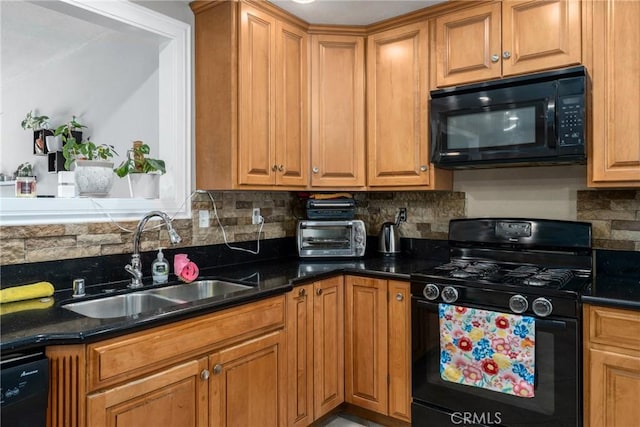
(352,12)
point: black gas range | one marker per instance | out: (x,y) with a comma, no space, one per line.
(529,270)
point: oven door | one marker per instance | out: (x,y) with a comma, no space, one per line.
(442,403)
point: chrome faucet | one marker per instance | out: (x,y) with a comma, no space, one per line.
(135,267)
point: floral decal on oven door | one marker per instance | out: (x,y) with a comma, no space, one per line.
(491,350)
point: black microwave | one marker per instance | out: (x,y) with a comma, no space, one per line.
(528,120)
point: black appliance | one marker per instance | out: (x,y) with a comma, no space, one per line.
(24,389)
(331,209)
(536,268)
(528,120)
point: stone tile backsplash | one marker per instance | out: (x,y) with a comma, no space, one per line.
(615,215)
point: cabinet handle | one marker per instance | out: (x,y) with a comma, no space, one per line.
(281,168)
(506,54)
(319,291)
(217,369)
(274,168)
(302,293)
(315,169)
(423,168)
(495,58)
(399,296)
(204,375)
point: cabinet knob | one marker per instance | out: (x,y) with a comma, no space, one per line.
(281,168)
(217,369)
(274,168)
(399,296)
(319,291)
(302,293)
(506,54)
(495,58)
(204,375)
(315,169)
(423,168)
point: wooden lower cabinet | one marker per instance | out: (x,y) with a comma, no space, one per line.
(378,344)
(172,397)
(611,366)
(222,369)
(247,383)
(348,342)
(315,350)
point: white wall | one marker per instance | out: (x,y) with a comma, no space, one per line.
(108,79)
(533,192)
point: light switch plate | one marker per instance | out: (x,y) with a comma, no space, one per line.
(203,218)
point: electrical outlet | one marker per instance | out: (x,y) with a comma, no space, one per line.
(255,216)
(203,219)
(402,215)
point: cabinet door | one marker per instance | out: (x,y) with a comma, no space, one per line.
(524,50)
(613,389)
(328,341)
(292,112)
(247,383)
(615,143)
(400,350)
(256,97)
(366,343)
(397,97)
(300,356)
(176,396)
(468,45)
(337,111)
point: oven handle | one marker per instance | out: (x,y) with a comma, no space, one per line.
(547,324)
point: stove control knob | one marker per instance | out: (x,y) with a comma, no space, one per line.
(542,307)
(449,294)
(518,304)
(431,292)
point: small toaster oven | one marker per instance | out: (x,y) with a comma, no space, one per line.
(340,238)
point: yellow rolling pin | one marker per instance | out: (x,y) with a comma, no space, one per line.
(26,292)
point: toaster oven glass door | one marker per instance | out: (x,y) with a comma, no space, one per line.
(325,238)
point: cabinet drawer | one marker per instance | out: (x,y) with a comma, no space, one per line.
(614,327)
(122,358)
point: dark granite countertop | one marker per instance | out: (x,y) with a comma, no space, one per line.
(616,284)
(56,325)
(616,280)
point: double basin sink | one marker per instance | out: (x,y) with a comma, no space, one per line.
(152,300)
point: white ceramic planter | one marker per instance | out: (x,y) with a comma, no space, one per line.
(144,185)
(94,178)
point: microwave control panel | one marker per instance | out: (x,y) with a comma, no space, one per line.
(571,120)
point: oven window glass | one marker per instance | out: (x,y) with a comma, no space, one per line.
(326,237)
(492,128)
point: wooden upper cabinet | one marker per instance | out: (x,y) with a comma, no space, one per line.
(257,97)
(337,111)
(292,106)
(272,110)
(468,45)
(397,96)
(614,67)
(524,49)
(251,80)
(504,38)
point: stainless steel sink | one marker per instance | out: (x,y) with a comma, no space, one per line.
(148,301)
(121,305)
(198,290)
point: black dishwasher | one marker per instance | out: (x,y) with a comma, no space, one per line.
(24,389)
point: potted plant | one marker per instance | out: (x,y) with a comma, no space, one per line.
(25,180)
(93,166)
(40,126)
(142,172)
(70,131)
